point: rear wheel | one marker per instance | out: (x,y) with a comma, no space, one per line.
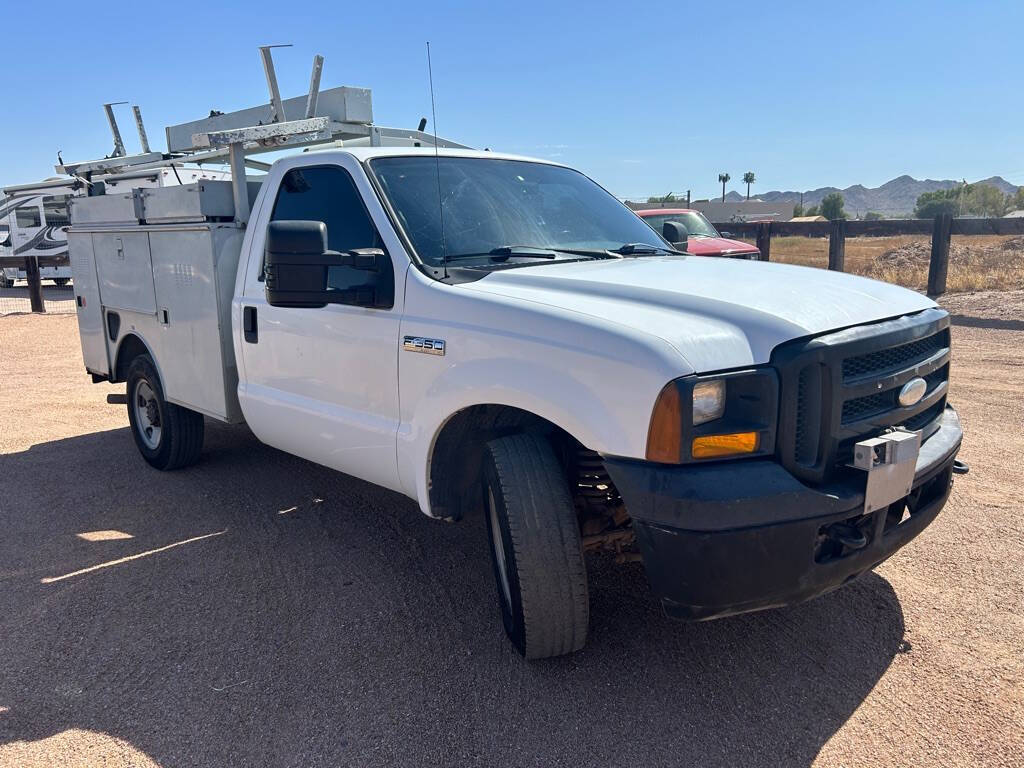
(167,435)
(535,546)
(60,282)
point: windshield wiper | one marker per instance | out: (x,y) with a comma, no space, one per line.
(634,249)
(505,251)
(534,252)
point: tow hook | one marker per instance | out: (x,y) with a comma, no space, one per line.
(849,536)
(960,467)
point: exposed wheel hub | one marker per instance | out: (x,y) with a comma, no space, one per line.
(147,413)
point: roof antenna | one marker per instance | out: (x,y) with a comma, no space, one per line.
(437,166)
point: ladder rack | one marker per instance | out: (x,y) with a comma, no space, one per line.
(340,117)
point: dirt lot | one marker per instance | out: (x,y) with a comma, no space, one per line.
(258,609)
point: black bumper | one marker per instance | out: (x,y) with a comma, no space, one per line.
(739,536)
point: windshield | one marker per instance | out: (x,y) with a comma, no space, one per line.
(490,205)
(695,223)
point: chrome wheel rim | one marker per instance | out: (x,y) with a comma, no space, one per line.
(499,548)
(147,414)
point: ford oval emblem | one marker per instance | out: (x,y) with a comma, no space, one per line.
(912,392)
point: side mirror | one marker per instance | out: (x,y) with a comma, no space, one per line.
(296,237)
(297,267)
(675,233)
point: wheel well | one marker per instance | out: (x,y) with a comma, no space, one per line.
(455,461)
(131,347)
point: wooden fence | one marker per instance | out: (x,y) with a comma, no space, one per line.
(941,229)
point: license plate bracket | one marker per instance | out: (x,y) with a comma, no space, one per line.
(890,462)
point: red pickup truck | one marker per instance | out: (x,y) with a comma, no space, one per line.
(703,239)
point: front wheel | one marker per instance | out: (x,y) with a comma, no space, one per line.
(167,435)
(535,546)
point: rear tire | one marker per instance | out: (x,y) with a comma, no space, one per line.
(167,435)
(60,282)
(535,547)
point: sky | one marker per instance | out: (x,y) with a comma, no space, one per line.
(646,98)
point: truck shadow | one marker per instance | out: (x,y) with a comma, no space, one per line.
(263,610)
(1003,324)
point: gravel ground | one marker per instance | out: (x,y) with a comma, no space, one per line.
(258,609)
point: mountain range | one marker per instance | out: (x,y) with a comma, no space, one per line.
(893,198)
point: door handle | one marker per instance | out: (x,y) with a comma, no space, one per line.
(249,327)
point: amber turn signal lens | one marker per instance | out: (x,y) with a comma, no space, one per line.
(665,435)
(718,446)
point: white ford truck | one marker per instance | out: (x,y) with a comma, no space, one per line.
(757,433)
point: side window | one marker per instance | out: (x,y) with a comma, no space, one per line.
(55,211)
(27,216)
(328,194)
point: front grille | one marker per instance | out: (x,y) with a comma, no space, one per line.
(802,433)
(843,387)
(863,407)
(894,358)
(924,418)
(808,416)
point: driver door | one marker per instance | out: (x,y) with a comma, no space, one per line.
(322,383)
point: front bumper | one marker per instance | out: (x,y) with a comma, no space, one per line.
(737,536)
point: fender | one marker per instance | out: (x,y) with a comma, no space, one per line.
(473,384)
(122,340)
(592,378)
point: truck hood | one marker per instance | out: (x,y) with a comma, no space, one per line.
(718,313)
(716,246)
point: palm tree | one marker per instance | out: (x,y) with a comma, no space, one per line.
(748,179)
(723,177)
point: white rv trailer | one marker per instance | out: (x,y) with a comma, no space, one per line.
(36,215)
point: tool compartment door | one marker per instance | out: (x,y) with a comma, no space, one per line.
(193,316)
(87,303)
(125,271)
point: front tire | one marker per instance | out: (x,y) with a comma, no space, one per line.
(535,547)
(167,435)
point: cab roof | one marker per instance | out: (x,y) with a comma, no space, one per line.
(660,211)
(368,153)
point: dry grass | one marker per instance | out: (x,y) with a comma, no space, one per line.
(977,263)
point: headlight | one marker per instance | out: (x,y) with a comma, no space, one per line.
(708,401)
(714,417)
